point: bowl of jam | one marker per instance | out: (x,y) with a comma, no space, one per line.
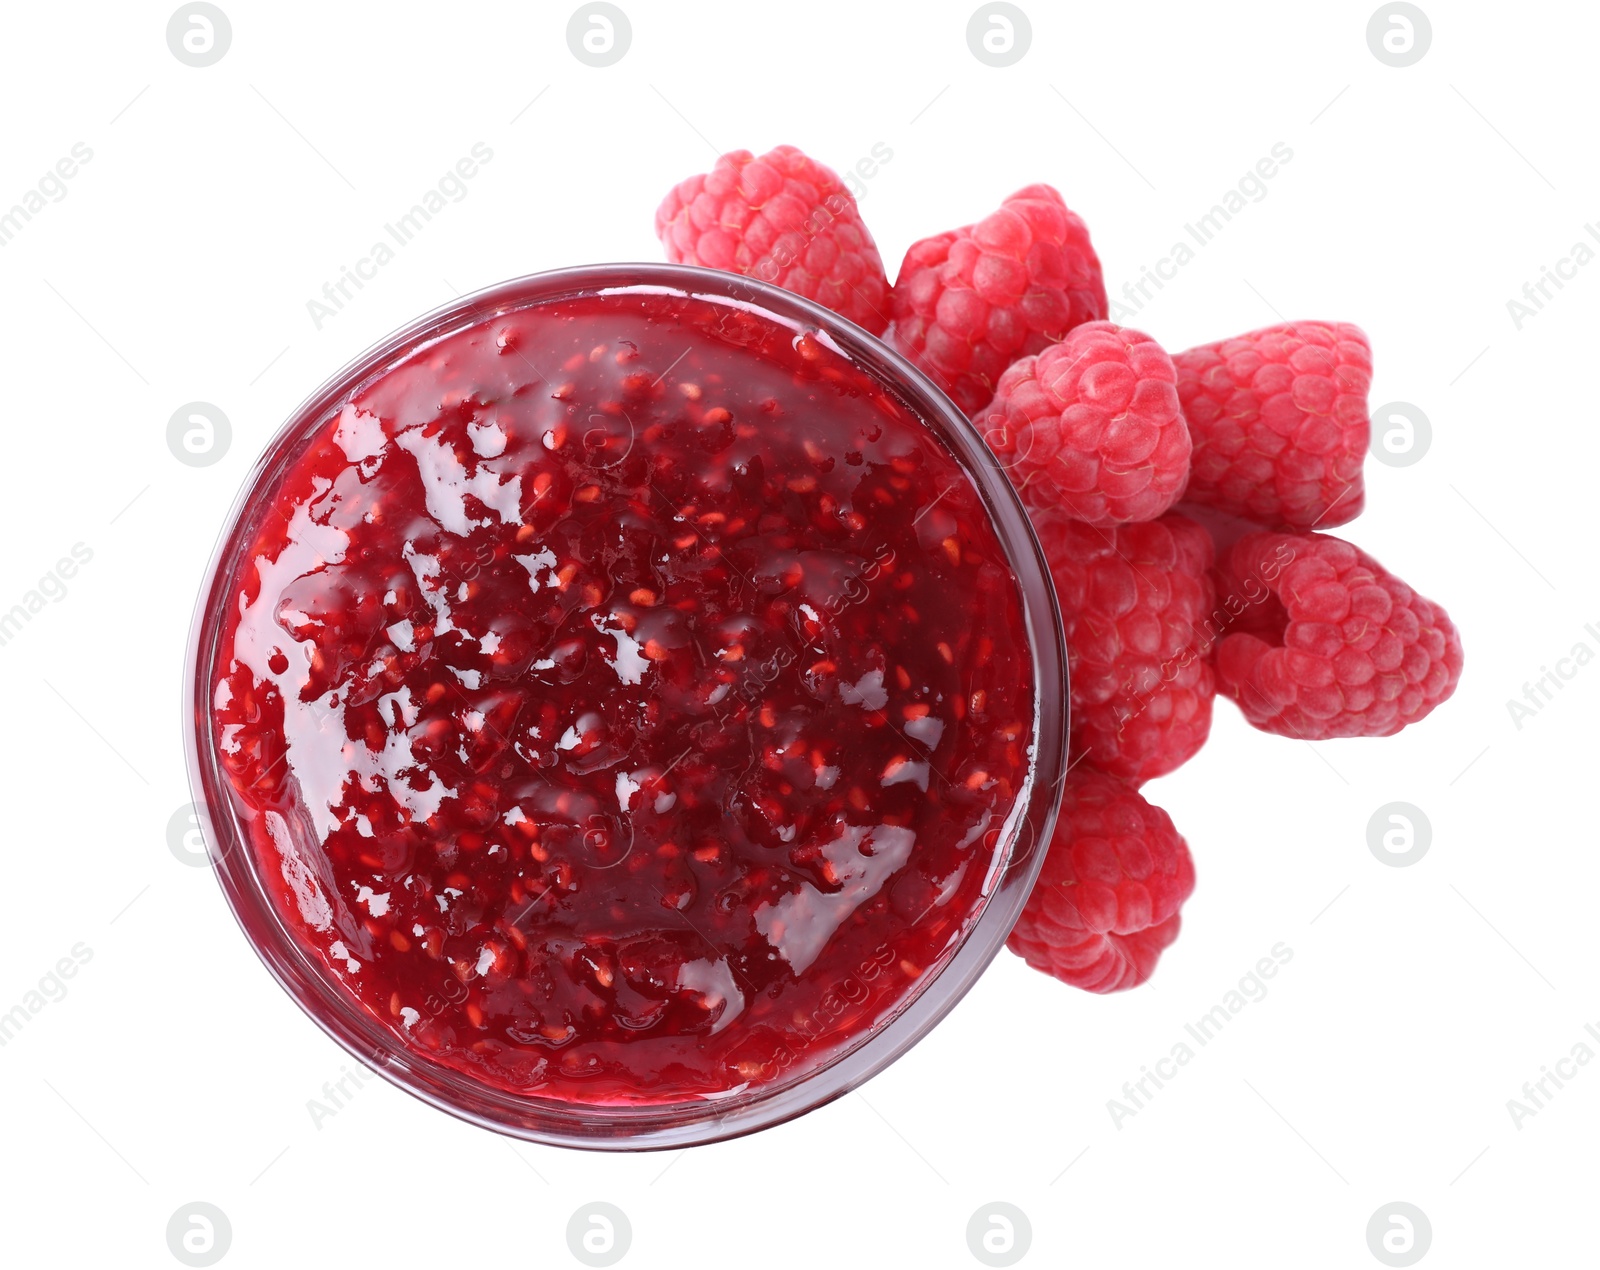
(625,704)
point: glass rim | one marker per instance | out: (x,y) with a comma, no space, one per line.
(655,1125)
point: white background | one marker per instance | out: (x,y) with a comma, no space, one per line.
(1418,1001)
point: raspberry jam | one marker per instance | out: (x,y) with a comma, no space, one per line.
(625,698)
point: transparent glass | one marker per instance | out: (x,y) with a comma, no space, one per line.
(685,1123)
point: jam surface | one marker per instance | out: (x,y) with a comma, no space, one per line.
(626,698)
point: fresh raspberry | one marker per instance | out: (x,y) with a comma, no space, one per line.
(1091,426)
(970,302)
(783,218)
(1326,642)
(1107,898)
(1279,423)
(1135,600)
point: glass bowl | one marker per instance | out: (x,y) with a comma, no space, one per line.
(807,1084)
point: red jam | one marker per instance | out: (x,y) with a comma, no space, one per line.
(627,698)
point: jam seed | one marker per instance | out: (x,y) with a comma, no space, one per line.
(399,941)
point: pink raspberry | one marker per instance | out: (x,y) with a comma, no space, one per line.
(1279,423)
(1107,898)
(1091,427)
(1135,600)
(783,218)
(1326,642)
(970,302)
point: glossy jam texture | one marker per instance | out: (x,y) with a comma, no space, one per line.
(627,698)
